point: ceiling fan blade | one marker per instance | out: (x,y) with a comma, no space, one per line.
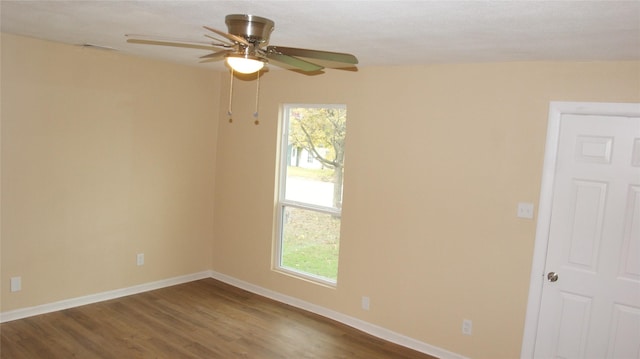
(315,54)
(215,55)
(292,61)
(226,42)
(231,37)
(178,40)
(195,45)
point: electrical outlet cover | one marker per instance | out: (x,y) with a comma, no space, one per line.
(467,327)
(16,284)
(365,303)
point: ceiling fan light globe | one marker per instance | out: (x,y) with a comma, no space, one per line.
(244,65)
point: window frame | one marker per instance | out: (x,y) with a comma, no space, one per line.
(281,202)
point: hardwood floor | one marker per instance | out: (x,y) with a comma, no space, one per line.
(201,319)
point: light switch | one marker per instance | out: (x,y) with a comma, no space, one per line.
(525,210)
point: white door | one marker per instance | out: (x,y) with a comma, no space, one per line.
(590,303)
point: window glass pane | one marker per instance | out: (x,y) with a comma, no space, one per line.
(315,155)
(310,242)
(309,186)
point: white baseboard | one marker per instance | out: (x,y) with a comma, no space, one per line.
(99,297)
(366,327)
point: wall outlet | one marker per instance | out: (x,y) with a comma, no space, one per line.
(140,259)
(467,327)
(365,303)
(16,284)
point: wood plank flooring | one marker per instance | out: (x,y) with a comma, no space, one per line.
(201,319)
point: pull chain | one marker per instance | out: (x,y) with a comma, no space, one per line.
(229,112)
(255,114)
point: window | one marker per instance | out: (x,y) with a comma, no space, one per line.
(310,158)
(310,191)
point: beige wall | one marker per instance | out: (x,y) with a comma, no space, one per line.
(104,156)
(437,159)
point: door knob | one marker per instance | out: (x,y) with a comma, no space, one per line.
(552,276)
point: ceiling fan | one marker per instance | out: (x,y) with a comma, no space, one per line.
(246,49)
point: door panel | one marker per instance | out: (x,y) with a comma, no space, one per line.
(624,339)
(573,325)
(593,309)
(587,215)
(630,265)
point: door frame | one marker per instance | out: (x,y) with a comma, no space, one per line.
(556,111)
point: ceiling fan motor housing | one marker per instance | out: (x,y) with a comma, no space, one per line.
(255,29)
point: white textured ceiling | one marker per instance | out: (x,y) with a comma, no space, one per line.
(377,32)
